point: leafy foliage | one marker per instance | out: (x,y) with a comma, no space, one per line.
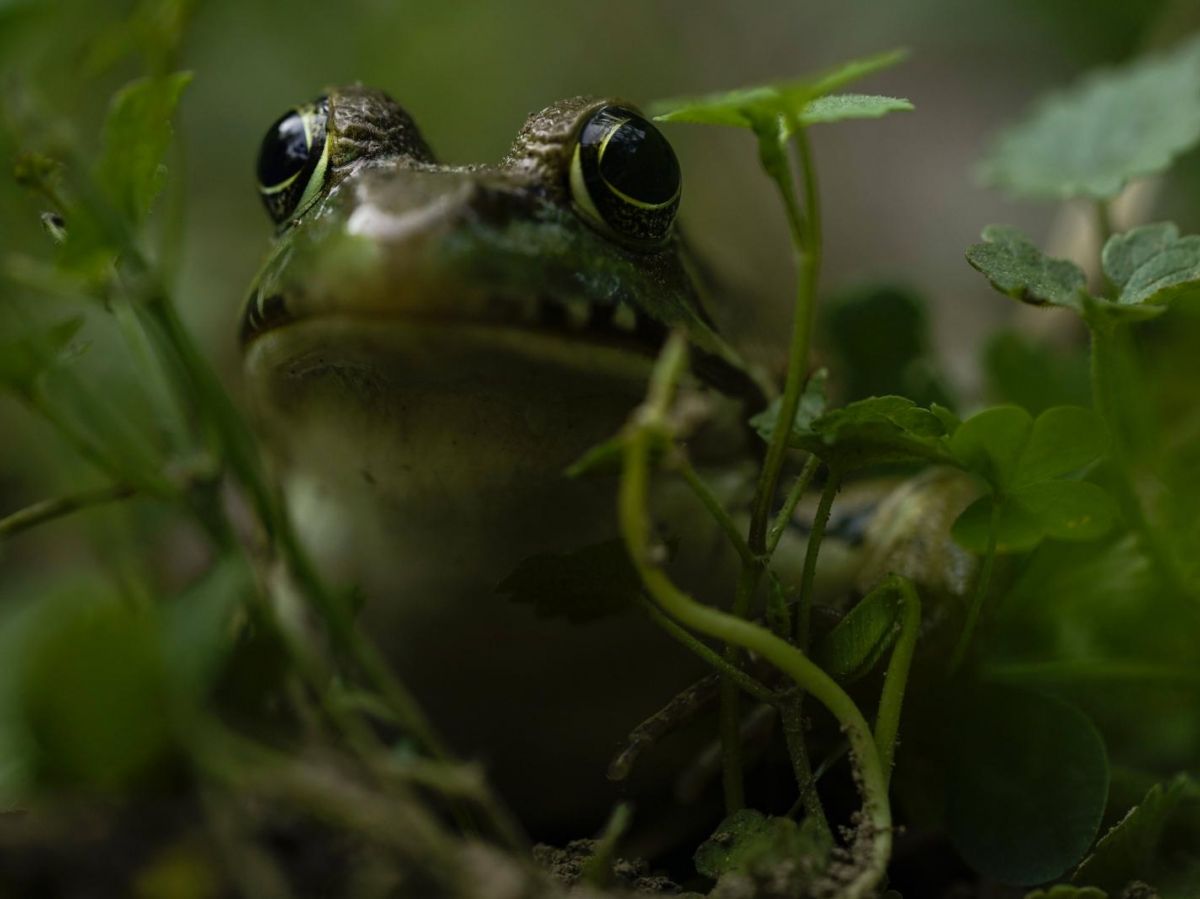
(860,639)
(1022,460)
(1153,265)
(1027,784)
(1114,126)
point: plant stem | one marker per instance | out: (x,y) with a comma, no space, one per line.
(636,531)
(746,682)
(50,509)
(794,734)
(982,583)
(784,517)
(809,573)
(891,700)
(710,501)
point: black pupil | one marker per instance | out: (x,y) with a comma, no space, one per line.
(639,162)
(284,150)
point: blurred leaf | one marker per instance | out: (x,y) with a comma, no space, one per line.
(23,361)
(990,443)
(1153,264)
(1017,529)
(812,405)
(1033,375)
(749,842)
(880,336)
(1113,126)
(749,107)
(1018,269)
(1063,439)
(581,585)
(1131,849)
(1068,510)
(136,136)
(1027,786)
(875,431)
(860,639)
(93,695)
(197,633)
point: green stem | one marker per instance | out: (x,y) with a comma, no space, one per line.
(784,517)
(982,583)
(809,573)
(806,240)
(796,738)
(636,531)
(713,505)
(891,700)
(50,509)
(728,713)
(750,685)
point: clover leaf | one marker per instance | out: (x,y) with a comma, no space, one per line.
(1116,125)
(1026,786)
(1022,460)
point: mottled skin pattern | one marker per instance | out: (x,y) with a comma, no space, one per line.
(427,348)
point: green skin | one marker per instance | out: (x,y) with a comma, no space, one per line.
(428,348)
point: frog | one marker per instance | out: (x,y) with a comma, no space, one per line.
(427,348)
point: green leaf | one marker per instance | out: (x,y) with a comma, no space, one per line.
(860,639)
(1017,529)
(581,585)
(990,443)
(1063,439)
(880,336)
(1032,374)
(1067,510)
(1066,891)
(1153,265)
(1113,126)
(136,136)
(197,635)
(750,107)
(751,843)
(25,360)
(94,696)
(875,431)
(812,405)
(1027,784)
(840,107)
(1131,849)
(1018,269)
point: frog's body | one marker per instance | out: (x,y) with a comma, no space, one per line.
(429,348)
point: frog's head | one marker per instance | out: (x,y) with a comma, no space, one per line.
(567,246)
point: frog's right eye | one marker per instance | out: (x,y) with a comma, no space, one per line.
(293,160)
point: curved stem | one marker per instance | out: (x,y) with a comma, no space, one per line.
(636,532)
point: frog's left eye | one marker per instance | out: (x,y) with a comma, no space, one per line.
(293,160)
(625,177)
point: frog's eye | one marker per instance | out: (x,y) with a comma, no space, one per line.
(625,177)
(293,159)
